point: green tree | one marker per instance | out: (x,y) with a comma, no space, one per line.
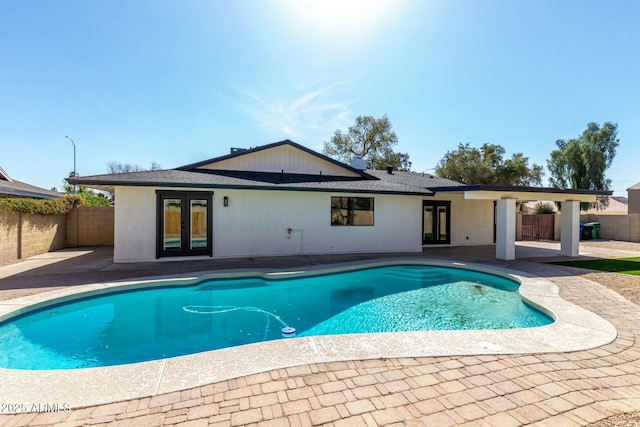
(371,138)
(87,196)
(581,163)
(486,165)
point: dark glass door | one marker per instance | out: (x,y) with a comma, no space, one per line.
(184,223)
(436,222)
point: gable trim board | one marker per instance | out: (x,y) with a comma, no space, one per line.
(271,210)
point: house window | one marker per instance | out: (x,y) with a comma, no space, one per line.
(352,211)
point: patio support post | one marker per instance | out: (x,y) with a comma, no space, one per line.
(570,228)
(506,229)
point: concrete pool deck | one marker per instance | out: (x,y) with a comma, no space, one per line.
(570,388)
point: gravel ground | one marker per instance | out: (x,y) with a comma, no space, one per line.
(623,420)
(626,285)
(629,287)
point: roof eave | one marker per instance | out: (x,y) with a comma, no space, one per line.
(490,192)
(101,185)
(30,194)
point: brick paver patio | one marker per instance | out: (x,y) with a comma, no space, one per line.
(559,389)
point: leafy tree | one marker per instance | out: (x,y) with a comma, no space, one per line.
(580,163)
(88,197)
(399,161)
(486,165)
(371,138)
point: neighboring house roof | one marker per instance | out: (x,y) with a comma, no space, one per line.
(617,205)
(11,188)
(634,187)
(620,199)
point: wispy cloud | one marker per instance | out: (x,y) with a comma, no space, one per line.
(297,113)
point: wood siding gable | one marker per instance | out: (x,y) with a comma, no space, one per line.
(287,158)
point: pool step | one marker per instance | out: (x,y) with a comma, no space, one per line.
(425,277)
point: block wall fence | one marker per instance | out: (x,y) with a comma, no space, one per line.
(24,235)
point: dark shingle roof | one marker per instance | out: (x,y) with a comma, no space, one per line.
(620,199)
(248,180)
(415,179)
(11,188)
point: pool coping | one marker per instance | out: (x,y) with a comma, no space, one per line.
(575,328)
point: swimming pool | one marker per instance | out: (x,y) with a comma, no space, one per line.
(172,320)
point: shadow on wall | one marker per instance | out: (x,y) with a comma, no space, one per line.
(24,235)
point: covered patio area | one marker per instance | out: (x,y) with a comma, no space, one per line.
(505,198)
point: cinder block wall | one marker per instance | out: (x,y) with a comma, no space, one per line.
(617,227)
(9,222)
(42,233)
(90,226)
(24,235)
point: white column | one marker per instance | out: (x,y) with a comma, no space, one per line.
(570,228)
(506,229)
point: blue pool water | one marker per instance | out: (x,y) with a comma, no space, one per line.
(154,323)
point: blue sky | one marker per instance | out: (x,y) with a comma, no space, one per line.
(175,82)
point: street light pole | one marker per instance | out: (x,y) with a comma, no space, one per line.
(74,160)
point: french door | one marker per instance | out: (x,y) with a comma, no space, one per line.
(436,222)
(184,223)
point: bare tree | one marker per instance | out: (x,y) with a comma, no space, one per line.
(118,167)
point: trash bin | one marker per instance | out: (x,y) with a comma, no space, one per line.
(587,231)
(581,230)
(595,231)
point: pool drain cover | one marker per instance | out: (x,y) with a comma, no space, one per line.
(488,345)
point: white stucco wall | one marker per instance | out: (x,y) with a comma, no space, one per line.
(256,223)
(471,220)
(135,224)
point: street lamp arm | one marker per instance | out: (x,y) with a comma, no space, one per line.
(74,154)
(74,160)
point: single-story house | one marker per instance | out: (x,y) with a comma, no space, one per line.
(11,188)
(285,199)
(618,205)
